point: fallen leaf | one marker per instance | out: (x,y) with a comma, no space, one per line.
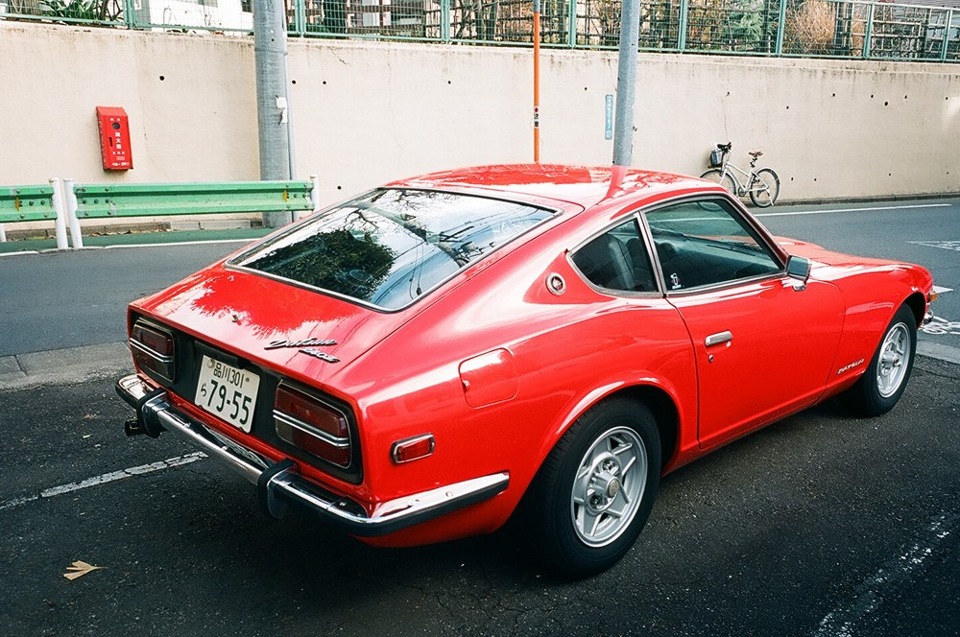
(79,569)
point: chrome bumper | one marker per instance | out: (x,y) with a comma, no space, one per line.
(279,484)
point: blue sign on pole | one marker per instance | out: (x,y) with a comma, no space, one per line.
(608,128)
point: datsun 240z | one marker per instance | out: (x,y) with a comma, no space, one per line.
(426,360)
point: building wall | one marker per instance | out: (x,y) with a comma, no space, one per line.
(366,112)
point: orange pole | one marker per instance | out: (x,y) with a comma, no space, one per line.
(536,81)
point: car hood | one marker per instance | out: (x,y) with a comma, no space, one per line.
(820,255)
(307,334)
(836,266)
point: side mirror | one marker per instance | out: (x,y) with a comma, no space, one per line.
(798,268)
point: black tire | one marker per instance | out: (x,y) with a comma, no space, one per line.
(765,193)
(595,490)
(719,177)
(883,382)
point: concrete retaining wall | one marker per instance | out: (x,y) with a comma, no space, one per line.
(367,112)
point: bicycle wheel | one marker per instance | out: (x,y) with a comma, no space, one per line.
(719,177)
(765,189)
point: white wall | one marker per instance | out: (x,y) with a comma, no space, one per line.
(367,112)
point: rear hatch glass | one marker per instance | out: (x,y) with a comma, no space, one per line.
(390,247)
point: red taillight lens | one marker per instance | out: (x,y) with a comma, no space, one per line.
(312,425)
(153,350)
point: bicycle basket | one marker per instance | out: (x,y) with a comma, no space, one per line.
(716,158)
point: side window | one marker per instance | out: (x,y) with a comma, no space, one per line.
(617,260)
(707,243)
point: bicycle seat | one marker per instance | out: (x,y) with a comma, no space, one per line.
(755,153)
(725,147)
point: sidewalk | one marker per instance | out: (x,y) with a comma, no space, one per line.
(138,239)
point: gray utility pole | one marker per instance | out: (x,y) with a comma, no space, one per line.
(273,116)
(626,83)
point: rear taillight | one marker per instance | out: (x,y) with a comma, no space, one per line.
(312,425)
(153,350)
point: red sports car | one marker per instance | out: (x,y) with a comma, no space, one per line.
(426,360)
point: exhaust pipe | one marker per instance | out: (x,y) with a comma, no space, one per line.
(147,404)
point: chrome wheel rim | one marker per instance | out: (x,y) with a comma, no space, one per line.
(608,487)
(894,360)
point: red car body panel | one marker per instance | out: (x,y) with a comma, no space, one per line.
(496,367)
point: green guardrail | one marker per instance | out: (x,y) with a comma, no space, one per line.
(26,203)
(147,200)
(118,201)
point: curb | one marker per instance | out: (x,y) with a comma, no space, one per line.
(945,353)
(64,366)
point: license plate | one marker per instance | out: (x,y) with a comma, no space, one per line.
(227,392)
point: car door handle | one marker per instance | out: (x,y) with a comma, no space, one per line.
(719,338)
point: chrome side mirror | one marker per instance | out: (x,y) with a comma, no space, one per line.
(798,268)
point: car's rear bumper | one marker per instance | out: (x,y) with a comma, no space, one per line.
(279,483)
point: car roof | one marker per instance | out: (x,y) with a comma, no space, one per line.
(581,185)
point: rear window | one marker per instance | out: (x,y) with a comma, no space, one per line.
(390,247)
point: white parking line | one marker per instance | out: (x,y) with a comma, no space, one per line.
(105,478)
(198,242)
(874,209)
(895,574)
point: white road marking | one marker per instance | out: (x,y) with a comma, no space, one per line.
(17,254)
(874,209)
(106,478)
(945,245)
(895,574)
(940,325)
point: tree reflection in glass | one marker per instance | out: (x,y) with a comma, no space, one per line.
(391,246)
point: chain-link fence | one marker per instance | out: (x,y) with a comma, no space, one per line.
(809,28)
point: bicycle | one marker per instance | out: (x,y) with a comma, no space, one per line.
(762,185)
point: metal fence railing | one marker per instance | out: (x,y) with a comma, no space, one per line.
(807,28)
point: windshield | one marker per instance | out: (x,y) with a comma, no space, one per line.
(390,247)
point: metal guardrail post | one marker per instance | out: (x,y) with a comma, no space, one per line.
(130,14)
(868,32)
(299,17)
(781,27)
(60,227)
(70,195)
(946,36)
(314,197)
(445,21)
(682,34)
(572,23)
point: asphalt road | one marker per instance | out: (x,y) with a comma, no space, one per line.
(821,525)
(58,300)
